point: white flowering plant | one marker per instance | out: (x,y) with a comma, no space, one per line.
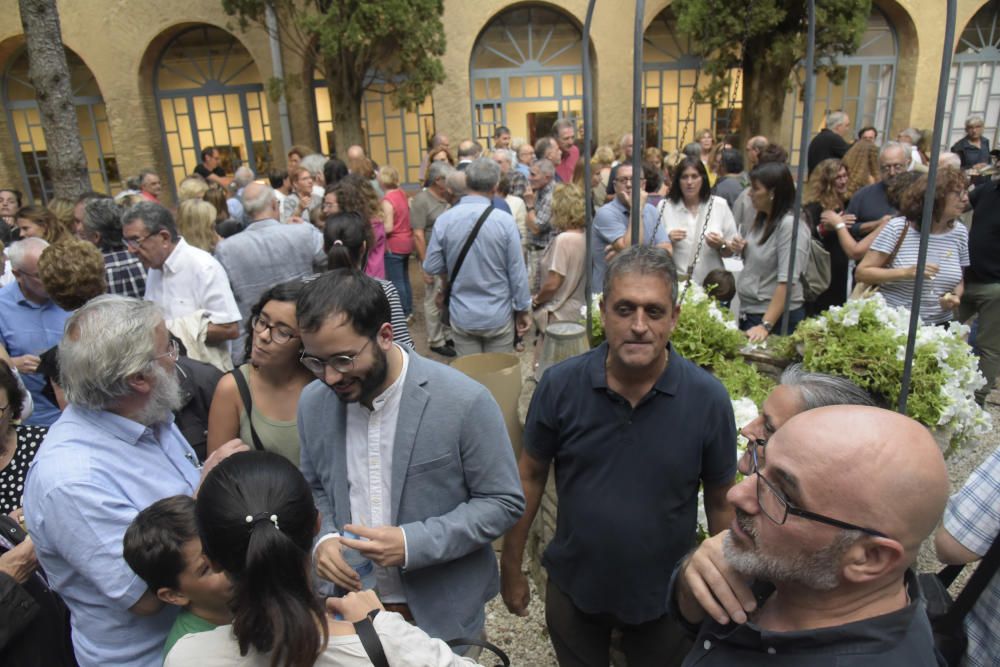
(865,341)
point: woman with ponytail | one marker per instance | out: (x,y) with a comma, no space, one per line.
(346,239)
(257,522)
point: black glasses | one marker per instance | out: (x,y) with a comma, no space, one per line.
(342,363)
(278,335)
(776,507)
(135,243)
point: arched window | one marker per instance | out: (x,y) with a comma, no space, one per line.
(26,128)
(671,76)
(974,87)
(395,136)
(866,93)
(209,93)
(526,73)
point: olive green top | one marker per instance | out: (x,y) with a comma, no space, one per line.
(280,437)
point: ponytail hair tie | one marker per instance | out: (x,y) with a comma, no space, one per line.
(338,242)
(254,519)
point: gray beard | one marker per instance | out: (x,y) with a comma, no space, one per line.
(165,398)
(819,571)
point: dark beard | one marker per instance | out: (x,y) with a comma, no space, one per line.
(373,379)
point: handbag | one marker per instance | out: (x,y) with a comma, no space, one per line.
(376,652)
(444,297)
(863,289)
(241,384)
(947,617)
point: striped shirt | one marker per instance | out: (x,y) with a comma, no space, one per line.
(973,519)
(950,251)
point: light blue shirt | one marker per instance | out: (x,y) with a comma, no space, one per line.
(493,281)
(610,224)
(93,473)
(30,328)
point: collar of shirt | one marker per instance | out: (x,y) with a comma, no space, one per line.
(474,199)
(870,635)
(668,382)
(119,427)
(173,261)
(24,301)
(261,224)
(380,401)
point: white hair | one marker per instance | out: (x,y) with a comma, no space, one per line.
(19,251)
(107,341)
(243,177)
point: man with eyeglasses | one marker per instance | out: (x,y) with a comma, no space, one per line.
(409,455)
(187,283)
(870,205)
(114,451)
(815,569)
(30,324)
(613,227)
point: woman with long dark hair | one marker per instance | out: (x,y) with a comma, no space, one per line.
(346,239)
(764,281)
(274,378)
(257,522)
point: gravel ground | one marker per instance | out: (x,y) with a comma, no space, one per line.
(525,639)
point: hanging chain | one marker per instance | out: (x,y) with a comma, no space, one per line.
(732,106)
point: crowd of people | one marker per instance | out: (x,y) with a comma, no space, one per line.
(219,441)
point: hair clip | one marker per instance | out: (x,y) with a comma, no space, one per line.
(263,516)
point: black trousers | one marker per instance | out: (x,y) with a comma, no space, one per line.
(584,640)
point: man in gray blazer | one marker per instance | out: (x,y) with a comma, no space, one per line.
(405,453)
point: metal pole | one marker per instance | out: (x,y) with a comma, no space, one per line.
(271,20)
(807,113)
(640,12)
(588,131)
(926,222)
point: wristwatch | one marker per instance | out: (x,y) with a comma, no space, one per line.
(767,325)
(723,246)
(840,225)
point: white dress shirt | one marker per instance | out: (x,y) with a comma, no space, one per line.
(190,280)
(677,216)
(370,438)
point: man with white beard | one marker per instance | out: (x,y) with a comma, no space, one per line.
(815,569)
(114,451)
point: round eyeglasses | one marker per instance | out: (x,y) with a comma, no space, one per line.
(342,363)
(277,334)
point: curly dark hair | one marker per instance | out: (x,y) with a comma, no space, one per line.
(356,195)
(72,273)
(15,395)
(911,203)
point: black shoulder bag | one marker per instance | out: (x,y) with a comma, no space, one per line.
(947,617)
(446,292)
(376,653)
(241,384)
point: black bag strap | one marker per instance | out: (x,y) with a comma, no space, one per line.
(483,643)
(468,244)
(976,585)
(371,643)
(241,384)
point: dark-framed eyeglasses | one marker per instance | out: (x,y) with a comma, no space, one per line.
(628,180)
(135,243)
(278,334)
(776,507)
(342,363)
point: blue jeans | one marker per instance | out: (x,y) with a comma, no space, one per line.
(750,320)
(397,270)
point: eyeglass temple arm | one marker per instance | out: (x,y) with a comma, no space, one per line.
(805,514)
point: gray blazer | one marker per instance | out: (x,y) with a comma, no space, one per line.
(455,488)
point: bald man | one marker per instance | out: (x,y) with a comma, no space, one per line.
(815,567)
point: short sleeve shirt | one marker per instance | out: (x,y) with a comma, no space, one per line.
(203,171)
(424,210)
(972,517)
(627,478)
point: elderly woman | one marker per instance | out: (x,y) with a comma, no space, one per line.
(973,149)
(683,214)
(196,223)
(892,260)
(301,204)
(764,282)
(192,187)
(399,235)
(562,292)
(40,223)
(354,194)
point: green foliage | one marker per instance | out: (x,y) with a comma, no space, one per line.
(775,32)
(704,336)
(351,42)
(743,379)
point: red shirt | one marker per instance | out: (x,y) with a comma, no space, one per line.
(400,240)
(568,164)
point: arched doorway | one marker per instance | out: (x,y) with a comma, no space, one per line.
(394,136)
(26,128)
(209,93)
(526,72)
(974,87)
(867,90)
(671,77)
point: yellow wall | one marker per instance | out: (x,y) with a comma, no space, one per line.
(120,42)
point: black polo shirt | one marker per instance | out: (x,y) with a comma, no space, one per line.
(901,638)
(203,171)
(825,145)
(984,236)
(869,203)
(627,478)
